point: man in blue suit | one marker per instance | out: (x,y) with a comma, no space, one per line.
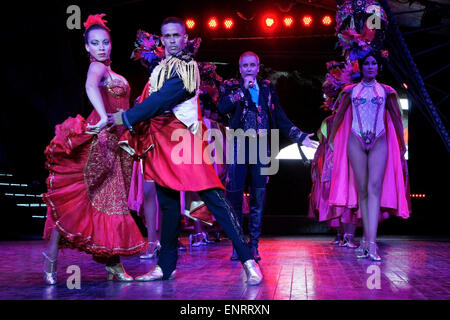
(254,107)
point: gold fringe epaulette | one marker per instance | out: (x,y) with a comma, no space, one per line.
(186,70)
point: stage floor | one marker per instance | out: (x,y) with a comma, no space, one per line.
(295,268)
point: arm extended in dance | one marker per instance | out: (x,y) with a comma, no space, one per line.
(287,127)
(170,95)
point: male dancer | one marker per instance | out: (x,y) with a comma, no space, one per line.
(172,105)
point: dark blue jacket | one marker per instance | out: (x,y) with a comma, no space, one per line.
(169,96)
(268,98)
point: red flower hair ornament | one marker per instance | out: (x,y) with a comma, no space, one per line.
(94,19)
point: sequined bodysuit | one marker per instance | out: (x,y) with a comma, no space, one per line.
(368,105)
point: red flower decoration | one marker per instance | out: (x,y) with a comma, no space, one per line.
(94,19)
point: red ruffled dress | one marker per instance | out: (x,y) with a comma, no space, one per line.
(89,182)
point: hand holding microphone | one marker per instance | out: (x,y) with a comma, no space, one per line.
(249,82)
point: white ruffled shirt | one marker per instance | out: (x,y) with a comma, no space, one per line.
(187,113)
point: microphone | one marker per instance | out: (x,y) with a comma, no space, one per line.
(250,84)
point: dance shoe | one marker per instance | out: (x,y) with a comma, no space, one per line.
(253,272)
(370,251)
(119,275)
(155,274)
(151,253)
(373,252)
(234,256)
(337,240)
(362,246)
(199,239)
(348,241)
(255,253)
(363,255)
(50,277)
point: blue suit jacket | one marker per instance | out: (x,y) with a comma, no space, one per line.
(268,98)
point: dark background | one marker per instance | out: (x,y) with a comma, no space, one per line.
(45,69)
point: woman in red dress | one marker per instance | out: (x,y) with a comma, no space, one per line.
(90,174)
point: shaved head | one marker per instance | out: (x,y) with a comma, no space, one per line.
(248,53)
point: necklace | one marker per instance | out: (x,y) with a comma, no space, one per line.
(107,62)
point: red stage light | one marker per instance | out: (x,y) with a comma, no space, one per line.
(212,23)
(327,20)
(190,23)
(288,21)
(228,23)
(307,21)
(270,22)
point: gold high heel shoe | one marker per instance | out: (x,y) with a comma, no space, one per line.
(120,276)
(253,272)
(50,277)
(148,254)
(155,274)
(372,251)
(348,241)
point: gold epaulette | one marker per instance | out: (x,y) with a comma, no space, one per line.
(187,71)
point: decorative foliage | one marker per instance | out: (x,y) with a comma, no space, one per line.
(147,48)
(361,25)
(193,45)
(209,90)
(339,75)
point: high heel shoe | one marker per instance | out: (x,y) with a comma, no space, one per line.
(155,274)
(337,240)
(362,246)
(363,249)
(119,275)
(50,277)
(149,254)
(199,239)
(372,251)
(253,272)
(196,240)
(348,241)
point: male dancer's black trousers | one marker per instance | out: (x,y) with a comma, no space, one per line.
(169,202)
